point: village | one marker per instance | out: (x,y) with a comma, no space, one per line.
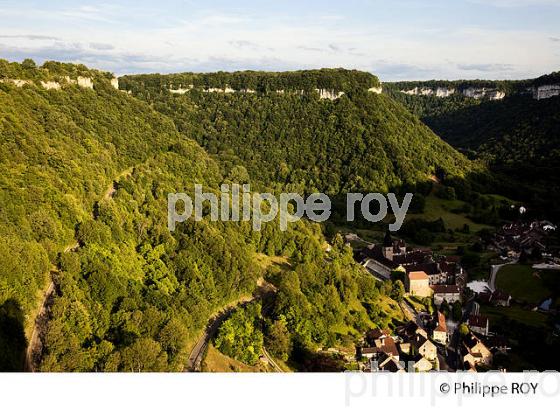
(450,320)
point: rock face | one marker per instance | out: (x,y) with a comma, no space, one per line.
(85,82)
(181,90)
(226,90)
(329,94)
(420,91)
(16,82)
(324,94)
(443,92)
(546,91)
(50,85)
(478,93)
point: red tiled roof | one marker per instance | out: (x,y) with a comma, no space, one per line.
(389,347)
(417,275)
(442,326)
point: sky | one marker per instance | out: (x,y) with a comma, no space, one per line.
(395,39)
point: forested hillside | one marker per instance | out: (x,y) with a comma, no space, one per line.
(131,296)
(518,137)
(360,141)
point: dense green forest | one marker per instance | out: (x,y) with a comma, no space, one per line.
(508,86)
(258,81)
(518,137)
(361,141)
(131,296)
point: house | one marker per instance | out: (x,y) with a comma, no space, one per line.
(496,298)
(449,293)
(387,346)
(516,238)
(479,324)
(427,349)
(418,284)
(387,364)
(420,345)
(393,255)
(379,343)
(409,330)
(475,353)
(423,365)
(440,331)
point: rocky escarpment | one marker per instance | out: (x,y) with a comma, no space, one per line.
(470,92)
(84,82)
(324,94)
(545,91)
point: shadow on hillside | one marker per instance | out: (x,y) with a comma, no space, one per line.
(12,336)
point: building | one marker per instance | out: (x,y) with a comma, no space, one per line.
(440,331)
(368,352)
(449,293)
(418,284)
(387,364)
(423,365)
(393,255)
(479,324)
(515,238)
(379,342)
(475,353)
(500,298)
(426,349)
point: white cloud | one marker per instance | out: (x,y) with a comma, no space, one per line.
(516,3)
(243,40)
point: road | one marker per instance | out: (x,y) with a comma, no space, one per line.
(271,361)
(494,272)
(194,362)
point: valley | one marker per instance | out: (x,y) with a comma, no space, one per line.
(91,163)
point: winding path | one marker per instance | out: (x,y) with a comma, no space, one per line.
(271,361)
(33,351)
(194,363)
(494,272)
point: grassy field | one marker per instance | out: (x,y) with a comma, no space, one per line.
(516,313)
(441,208)
(218,362)
(524,283)
(416,303)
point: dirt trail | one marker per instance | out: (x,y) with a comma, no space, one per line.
(112,188)
(35,346)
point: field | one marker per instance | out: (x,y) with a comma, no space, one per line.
(526,284)
(515,313)
(218,362)
(442,208)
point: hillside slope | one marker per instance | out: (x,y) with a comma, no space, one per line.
(357,141)
(518,136)
(132,296)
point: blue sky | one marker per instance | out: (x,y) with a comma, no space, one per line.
(398,39)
